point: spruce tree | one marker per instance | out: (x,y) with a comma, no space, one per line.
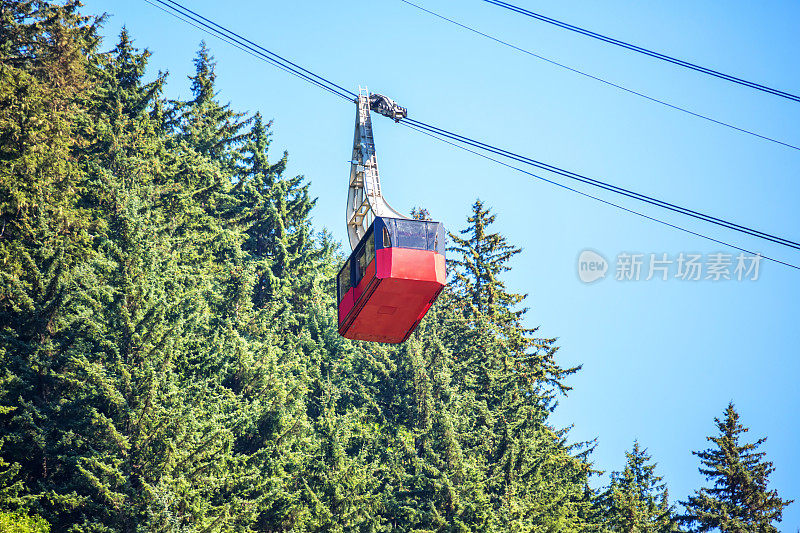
(210,128)
(22,523)
(508,378)
(276,212)
(45,77)
(442,487)
(271,213)
(481,257)
(105,305)
(637,500)
(739,498)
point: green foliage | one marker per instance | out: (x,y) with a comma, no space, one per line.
(169,355)
(21,523)
(739,498)
(637,500)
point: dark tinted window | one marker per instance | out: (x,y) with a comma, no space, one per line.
(406,233)
(364,256)
(344,280)
(369,251)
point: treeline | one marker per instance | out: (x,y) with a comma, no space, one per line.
(169,359)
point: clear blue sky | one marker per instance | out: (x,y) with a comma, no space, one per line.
(660,359)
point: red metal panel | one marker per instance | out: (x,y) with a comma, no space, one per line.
(392,304)
(346,305)
(407,263)
(369,275)
(361,295)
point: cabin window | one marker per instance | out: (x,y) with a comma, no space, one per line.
(364,258)
(432,234)
(369,251)
(344,280)
(411,234)
(387,241)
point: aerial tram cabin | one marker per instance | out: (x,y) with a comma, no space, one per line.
(397,267)
(391,279)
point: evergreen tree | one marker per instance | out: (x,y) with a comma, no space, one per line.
(637,500)
(107,316)
(14,502)
(271,214)
(439,486)
(44,244)
(481,258)
(739,499)
(276,211)
(210,128)
(508,378)
(22,523)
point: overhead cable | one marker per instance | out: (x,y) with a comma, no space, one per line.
(210,27)
(645,51)
(557,184)
(604,185)
(601,80)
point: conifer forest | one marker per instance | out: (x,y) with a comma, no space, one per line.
(169,354)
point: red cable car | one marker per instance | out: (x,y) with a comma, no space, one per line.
(397,267)
(391,279)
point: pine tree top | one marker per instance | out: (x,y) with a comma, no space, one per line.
(738,498)
(481,257)
(204,78)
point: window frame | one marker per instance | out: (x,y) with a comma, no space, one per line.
(360,252)
(339,293)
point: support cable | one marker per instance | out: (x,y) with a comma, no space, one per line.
(605,185)
(199,22)
(601,80)
(645,51)
(638,213)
